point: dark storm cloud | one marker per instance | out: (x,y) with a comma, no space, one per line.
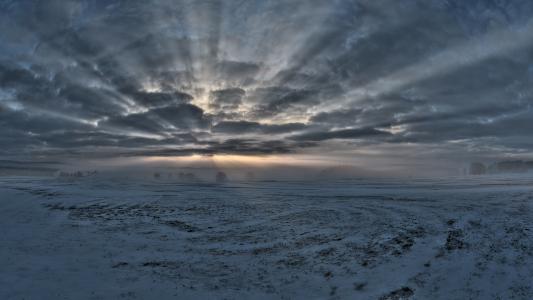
(236,70)
(245,127)
(227,99)
(345,117)
(12,76)
(471,127)
(479,16)
(25,123)
(144,122)
(21,132)
(335,31)
(163,119)
(157,99)
(185,116)
(80,139)
(33,87)
(391,48)
(88,101)
(290,75)
(274,100)
(359,133)
(475,94)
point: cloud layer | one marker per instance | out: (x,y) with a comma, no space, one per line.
(340,78)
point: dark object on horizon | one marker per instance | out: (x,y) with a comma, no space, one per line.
(221,177)
(501,167)
(157,175)
(477,168)
(515,166)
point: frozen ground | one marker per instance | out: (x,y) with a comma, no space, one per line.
(96,239)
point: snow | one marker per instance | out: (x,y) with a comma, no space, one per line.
(95,238)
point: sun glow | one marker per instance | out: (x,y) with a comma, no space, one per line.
(236,161)
(243,160)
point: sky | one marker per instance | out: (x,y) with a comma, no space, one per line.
(417,85)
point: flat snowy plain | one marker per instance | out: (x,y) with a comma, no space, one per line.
(384,239)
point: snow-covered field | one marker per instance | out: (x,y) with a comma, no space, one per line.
(102,239)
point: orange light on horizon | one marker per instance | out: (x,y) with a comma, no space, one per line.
(235,161)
